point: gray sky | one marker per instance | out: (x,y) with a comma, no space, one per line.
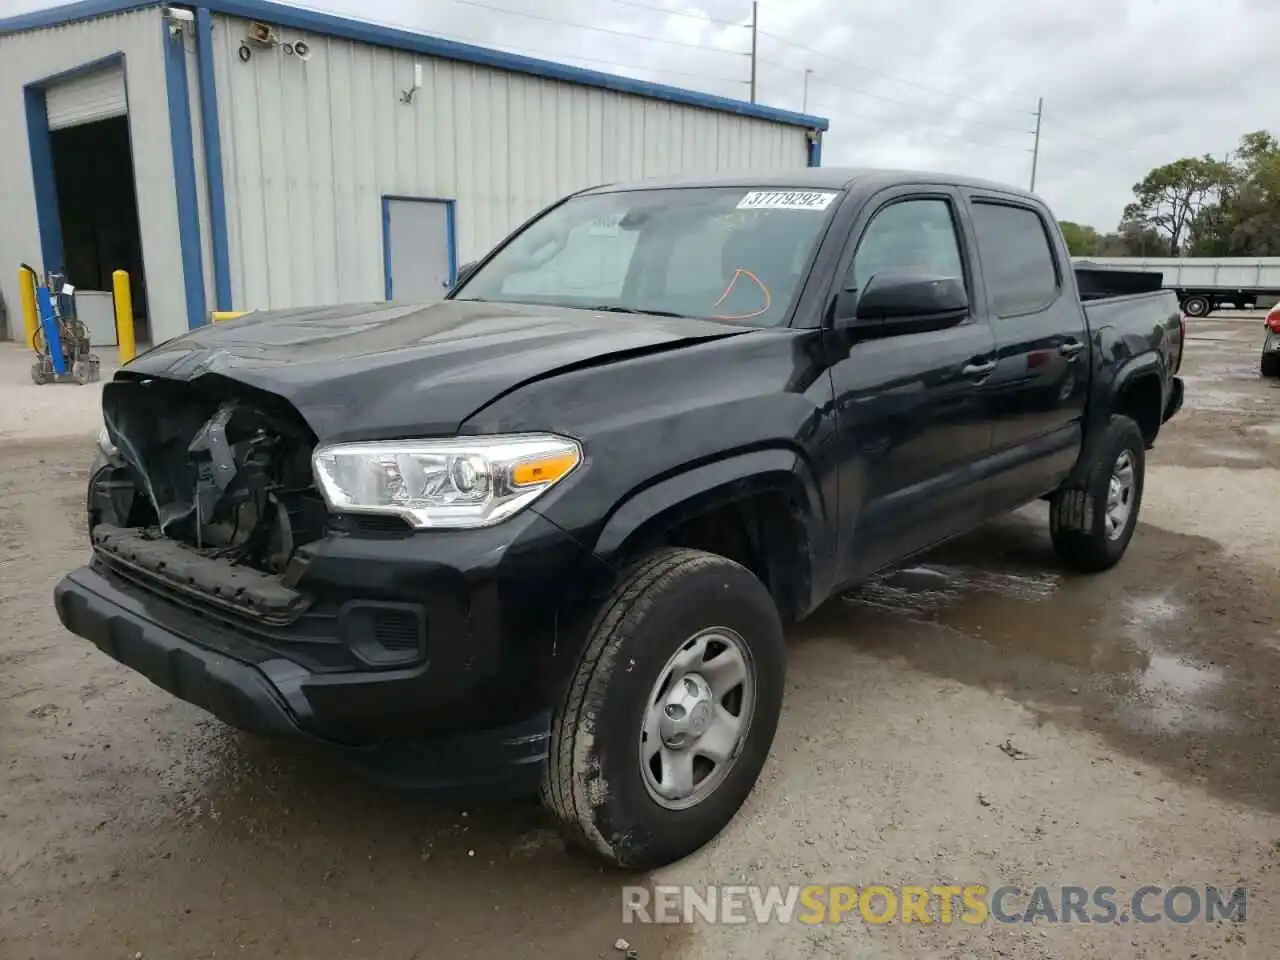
(935,84)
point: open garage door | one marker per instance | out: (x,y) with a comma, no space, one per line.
(94,96)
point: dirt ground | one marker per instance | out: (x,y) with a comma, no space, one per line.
(982,717)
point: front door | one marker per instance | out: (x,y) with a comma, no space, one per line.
(419,256)
(910,407)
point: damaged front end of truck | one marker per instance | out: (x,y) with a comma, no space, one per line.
(205,491)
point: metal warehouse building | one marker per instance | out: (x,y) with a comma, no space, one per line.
(248,155)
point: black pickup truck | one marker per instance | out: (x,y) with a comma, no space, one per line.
(546,533)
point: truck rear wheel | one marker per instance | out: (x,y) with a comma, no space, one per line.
(1197,306)
(1092,522)
(671,712)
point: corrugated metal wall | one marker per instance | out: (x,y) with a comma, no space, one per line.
(309,149)
(30,56)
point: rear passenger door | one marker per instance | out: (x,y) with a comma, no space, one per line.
(1037,391)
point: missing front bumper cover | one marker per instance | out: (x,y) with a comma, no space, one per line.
(184,570)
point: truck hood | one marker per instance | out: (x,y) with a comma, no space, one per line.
(387,370)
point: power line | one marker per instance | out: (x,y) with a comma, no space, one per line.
(587,26)
(957,138)
(701,18)
(525,51)
(914,106)
(885,76)
(550,55)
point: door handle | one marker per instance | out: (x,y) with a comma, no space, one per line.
(1070,348)
(977,369)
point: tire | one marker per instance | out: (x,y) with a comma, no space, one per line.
(1270,365)
(1197,306)
(595,781)
(1078,514)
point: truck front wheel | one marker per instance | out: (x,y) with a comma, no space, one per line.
(1092,522)
(671,712)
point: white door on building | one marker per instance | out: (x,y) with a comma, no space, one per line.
(99,95)
(419,255)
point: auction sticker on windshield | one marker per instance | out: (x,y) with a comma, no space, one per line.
(786,200)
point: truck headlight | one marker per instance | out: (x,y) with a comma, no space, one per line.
(450,483)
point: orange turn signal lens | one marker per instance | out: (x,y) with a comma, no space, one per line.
(533,473)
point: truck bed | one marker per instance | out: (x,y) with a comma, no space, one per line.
(1098,282)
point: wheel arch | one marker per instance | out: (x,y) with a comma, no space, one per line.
(1138,393)
(763,508)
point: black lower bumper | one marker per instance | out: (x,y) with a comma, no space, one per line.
(254,691)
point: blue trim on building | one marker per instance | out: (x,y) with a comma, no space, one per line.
(325,24)
(815,151)
(184,173)
(450,207)
(386,248)
(48,222)
(45,187)
(449,211)
(212,138)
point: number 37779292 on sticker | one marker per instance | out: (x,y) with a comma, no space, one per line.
(786,200)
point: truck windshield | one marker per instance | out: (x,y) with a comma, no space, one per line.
(730,254)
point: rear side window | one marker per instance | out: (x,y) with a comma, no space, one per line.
(1017,260)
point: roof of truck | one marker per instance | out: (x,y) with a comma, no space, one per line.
(814,178)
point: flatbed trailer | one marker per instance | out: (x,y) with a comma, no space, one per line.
(1205,284)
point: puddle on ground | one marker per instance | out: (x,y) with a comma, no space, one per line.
(1172,693)
(1186,675)
(1173,696)
(925,591)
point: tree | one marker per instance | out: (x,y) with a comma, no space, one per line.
(1245,221)
(1171,198)
(1082,240)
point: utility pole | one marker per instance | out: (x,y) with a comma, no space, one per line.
(805,107)
(755,43)
(1035,150)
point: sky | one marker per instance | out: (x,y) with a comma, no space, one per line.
(948,85)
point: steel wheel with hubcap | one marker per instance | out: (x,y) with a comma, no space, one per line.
(1120,496)
(698,716)
(671,711)
(1093,516)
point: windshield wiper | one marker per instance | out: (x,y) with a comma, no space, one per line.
(654,313)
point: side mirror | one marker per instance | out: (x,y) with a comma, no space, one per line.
(904,302)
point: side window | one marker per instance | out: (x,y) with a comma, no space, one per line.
(1017,261)
(912,235)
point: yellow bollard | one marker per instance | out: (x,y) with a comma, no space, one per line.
(27,295)
(123,296)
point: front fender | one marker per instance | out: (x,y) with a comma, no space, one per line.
(664,504)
